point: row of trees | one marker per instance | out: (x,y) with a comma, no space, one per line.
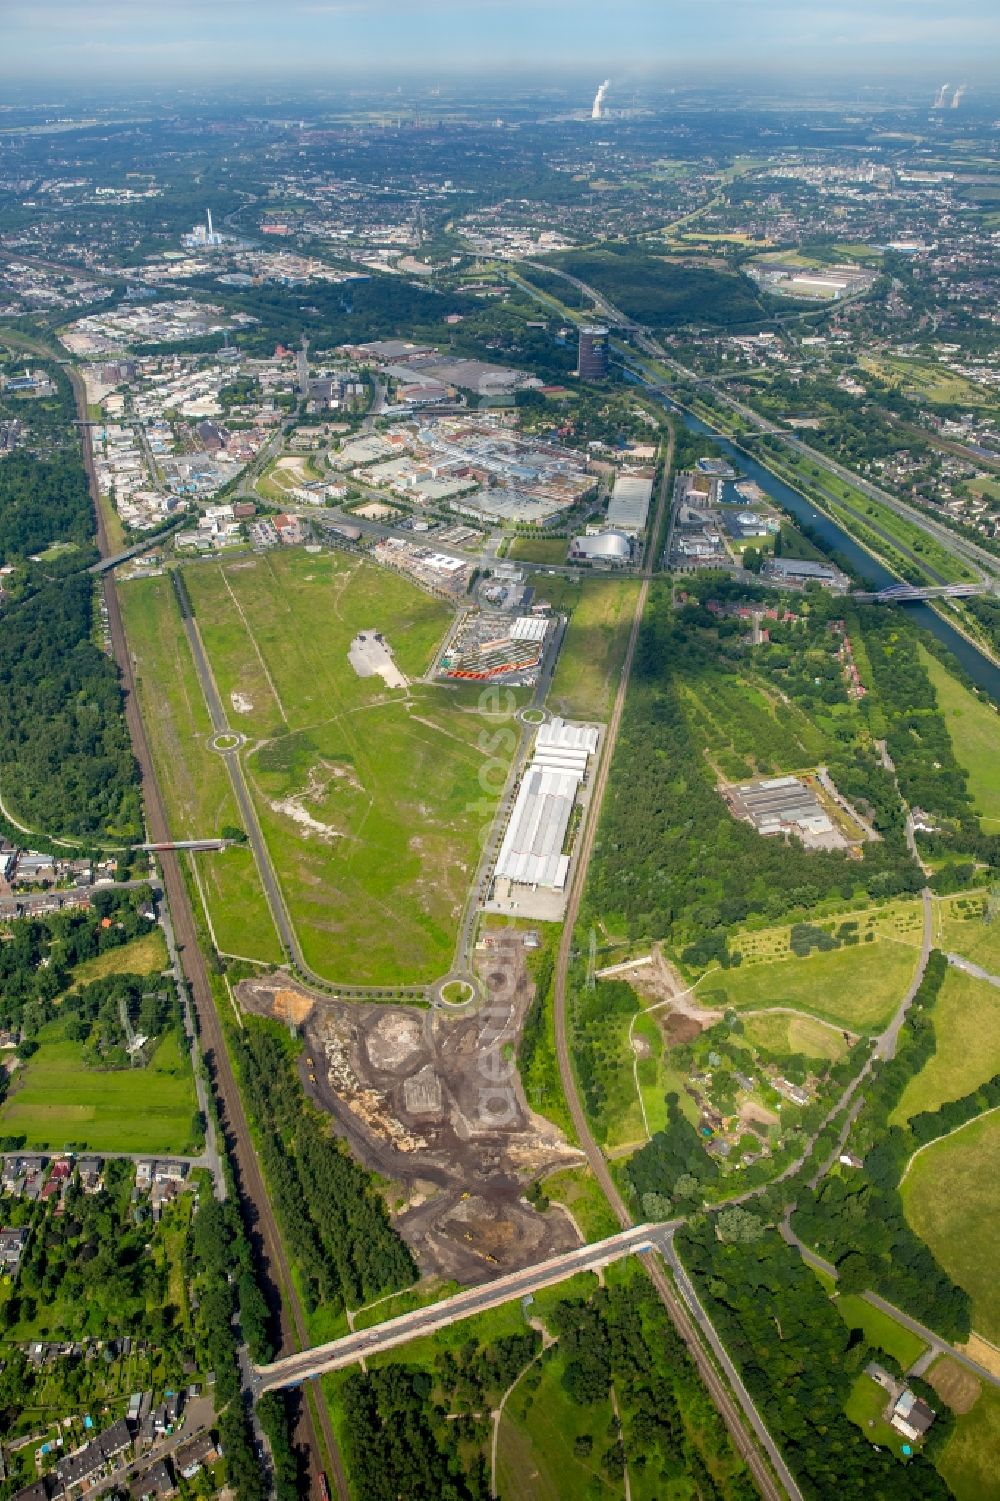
(336,1222)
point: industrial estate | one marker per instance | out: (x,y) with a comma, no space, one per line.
(499,798)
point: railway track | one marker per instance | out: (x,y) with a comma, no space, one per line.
(265,1235)
(719,1390)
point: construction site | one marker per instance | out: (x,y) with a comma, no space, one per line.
(432,1100)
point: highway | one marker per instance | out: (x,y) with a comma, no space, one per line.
(961,547)
(350,1348)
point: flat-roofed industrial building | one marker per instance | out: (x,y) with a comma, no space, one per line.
(628,510)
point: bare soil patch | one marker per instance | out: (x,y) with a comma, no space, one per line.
(954,1384)
(433,1101)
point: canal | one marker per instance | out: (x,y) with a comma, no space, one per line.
(829,534)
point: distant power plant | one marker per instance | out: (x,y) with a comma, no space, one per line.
(203,235)
(940,96)
(597,113)
(957,95)
(592,359)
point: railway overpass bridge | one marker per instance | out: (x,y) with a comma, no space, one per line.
(350,1348)
(902,593)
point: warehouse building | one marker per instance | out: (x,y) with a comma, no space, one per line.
(532,850)
(611,549)
(629,507)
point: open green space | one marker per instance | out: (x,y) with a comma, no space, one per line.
(593,650)
(931,381)
(974,727)
(966,1025)
(372,800)
(193,779)
(960,927)
(777,1032)
(880,1330)
(858,988)
(539,549)
(577,1189)
(57,1102)
(536,1455)
(142,956)
(969,1461)
(951,1196)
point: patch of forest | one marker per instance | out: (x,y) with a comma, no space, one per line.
(663,294)
(335,1221)
(43,501)
(66,762)
(401,1442)
(799,1361)
(670,860)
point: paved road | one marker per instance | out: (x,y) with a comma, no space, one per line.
(887,1043)
(939,1345)
(736,1412)
(975,970)
(271,1259)
(969,552)
(351,1348)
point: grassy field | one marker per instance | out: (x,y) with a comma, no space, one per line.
(900,921)
(780,1033)
(57,1101)
(575,1187)
(967,1032)
(933,382)
(952,1196)
(880,1330)
(594,648)
(370,798)
(535,1458)
(539,549)
(858,988)
(959,929)
(143,956)
(969,1461)
(974,727)
(193,779)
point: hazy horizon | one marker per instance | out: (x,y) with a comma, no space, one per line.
(93,41)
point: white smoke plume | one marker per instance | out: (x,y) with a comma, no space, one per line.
(958,94)
(940,95)
(597,113)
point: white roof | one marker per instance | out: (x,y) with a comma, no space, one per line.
(531,851)
(556,732)
(529,628)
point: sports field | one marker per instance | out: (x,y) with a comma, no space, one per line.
(58,1102)
(967,1034)
(372,799)
(952,1197)
(960,928)
(974,727)
(193,779)
(859,988)
(592,653)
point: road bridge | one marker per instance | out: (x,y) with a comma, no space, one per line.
(351,1348)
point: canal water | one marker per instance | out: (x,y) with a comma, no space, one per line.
(830,535)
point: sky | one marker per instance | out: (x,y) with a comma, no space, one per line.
(173,40)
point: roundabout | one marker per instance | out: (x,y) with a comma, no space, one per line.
(227,741)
